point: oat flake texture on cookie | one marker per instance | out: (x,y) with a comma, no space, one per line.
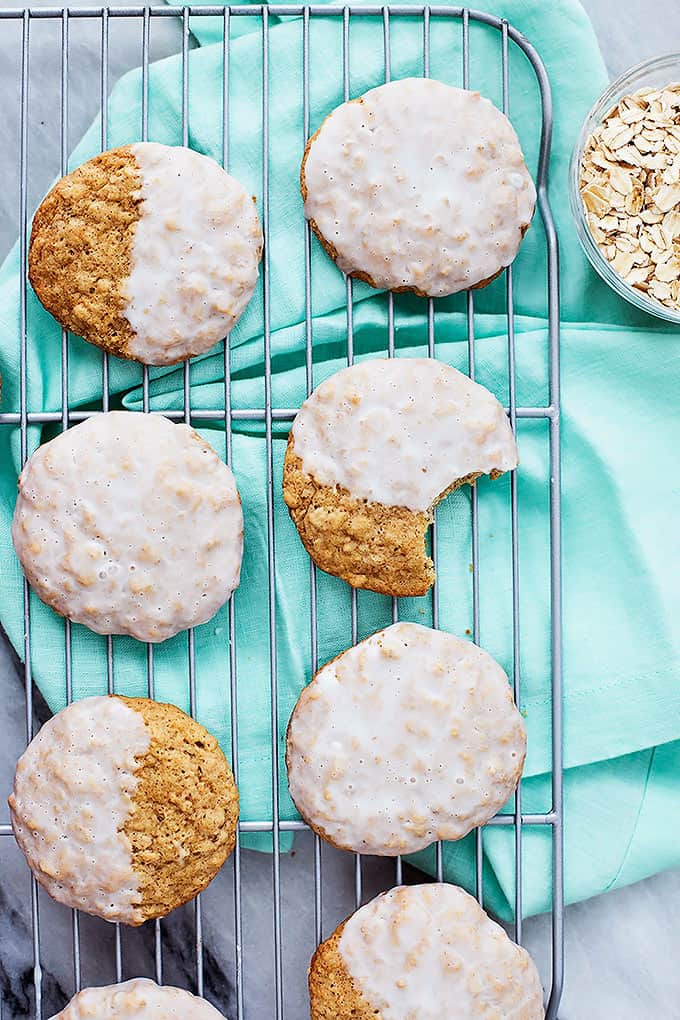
(124,808)
(130,524)
(370,454)
(425,952)
(138,999)
(418,186)
(149,251)
(408,737)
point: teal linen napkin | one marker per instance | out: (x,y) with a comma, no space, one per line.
(620,441)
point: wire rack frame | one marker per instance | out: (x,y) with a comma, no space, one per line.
(268,414)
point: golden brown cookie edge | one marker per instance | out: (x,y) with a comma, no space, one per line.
(167,884)
(303,494)
(401,532)
(332,992)
(112,333)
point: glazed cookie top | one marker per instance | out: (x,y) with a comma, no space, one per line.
(73,792)
(418,185)
(415,947)
(139,999)
(124,807)
(149,251)
(409,737)
(195,253)
(130,524)
(401,431)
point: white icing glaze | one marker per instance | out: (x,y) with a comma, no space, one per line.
(401,431)
(429,951)
(419,185)
(139,999)
(409,737)
(73,792)
(131,525)
(195,253)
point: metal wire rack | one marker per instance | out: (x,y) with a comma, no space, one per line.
(268,414)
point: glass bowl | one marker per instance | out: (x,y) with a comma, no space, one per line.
(653,73)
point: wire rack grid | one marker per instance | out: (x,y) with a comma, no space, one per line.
(268,414)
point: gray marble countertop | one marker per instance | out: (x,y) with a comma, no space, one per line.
(621,949)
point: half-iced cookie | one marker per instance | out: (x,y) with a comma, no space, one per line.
(418,186)
(131,525)
(139,999)
(409,737)
(148,251)
(124,808)
(371,453)
(423,952)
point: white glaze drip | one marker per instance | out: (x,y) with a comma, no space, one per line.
(419,185)
(401,431)
(130,524)
(139,999)
(426,952)
(409,737)
(73,792)
(195,254)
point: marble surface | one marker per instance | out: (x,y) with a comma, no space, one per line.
(621,949)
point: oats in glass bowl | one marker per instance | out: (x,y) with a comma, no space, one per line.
(630,186)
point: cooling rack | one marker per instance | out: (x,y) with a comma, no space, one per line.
(267,416)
